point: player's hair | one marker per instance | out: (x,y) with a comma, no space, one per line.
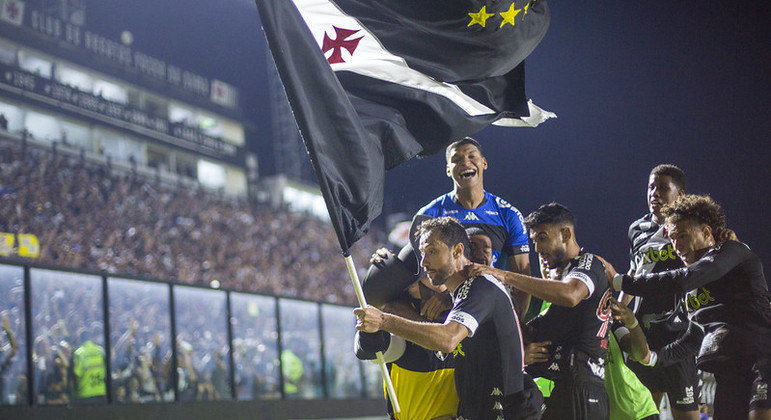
(674,172)
(473,230)
(451,232)
(701,209)
(459,143)
(552,213)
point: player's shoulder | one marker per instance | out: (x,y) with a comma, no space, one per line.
(734,248)
(480,287)
(502,205)
(642,224)
(588,262)
(436,205)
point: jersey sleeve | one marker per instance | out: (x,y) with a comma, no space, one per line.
(472,304)
(630,237)
(431,209)
(587,272)
(714,265)
(687,345)
(517,240)
(365,345)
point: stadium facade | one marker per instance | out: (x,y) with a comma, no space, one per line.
(61,82)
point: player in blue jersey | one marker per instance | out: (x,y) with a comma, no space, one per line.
(473,206)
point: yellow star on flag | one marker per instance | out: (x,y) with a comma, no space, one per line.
(480,18)
(509,15)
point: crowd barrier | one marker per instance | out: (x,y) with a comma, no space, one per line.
(160,342)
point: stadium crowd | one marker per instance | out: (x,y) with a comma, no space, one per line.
(88,215)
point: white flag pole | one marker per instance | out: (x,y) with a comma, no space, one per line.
(380,361)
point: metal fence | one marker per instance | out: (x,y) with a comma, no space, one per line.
(89,338)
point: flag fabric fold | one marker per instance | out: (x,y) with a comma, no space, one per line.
(373,83)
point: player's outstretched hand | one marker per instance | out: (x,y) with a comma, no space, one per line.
(610,272)
(537,352)
(369,319)
(621,312)
(380,255)
(474,270)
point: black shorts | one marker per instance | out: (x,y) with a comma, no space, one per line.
(577,395)
(679,381)
(741,388)
(524,405)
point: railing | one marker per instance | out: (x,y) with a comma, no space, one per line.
(168,343)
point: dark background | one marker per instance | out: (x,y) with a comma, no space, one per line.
(633,84)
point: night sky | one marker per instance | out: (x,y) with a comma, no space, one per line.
(633,84)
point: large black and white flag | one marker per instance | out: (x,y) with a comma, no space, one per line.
(373,83)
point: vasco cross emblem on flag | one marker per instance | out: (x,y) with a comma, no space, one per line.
(336,45)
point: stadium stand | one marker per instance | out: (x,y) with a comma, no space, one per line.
(91,215)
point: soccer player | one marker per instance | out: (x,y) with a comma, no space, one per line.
(663,317)
(481,330)
(576,323)
(473,206)
(424,380)
(726,294)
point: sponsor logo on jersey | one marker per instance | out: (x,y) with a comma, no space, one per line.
(652,255)
(696,299)
(761,392)
(585,261)
(471,216)
(459,350)
(597,369)
(502,203)
(688,398)
(491,212)
(447,212)
(496,392)
(462,292)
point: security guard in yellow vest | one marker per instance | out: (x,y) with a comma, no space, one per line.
(89,367)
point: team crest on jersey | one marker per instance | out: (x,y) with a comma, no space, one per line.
(604,314)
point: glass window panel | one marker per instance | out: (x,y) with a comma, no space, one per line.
(13,116)
(76,135)
(37,65)
(121,148)
(301,349)
(255,346)
(202,344)
(211,174)
(13,341)
(181,114)
(42,127)
(343,374)
(8,54)
(111,91)
(373,379)
(68,326)
(140,336)
(73,77)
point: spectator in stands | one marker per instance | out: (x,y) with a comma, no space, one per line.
(7,352)
(87,215)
